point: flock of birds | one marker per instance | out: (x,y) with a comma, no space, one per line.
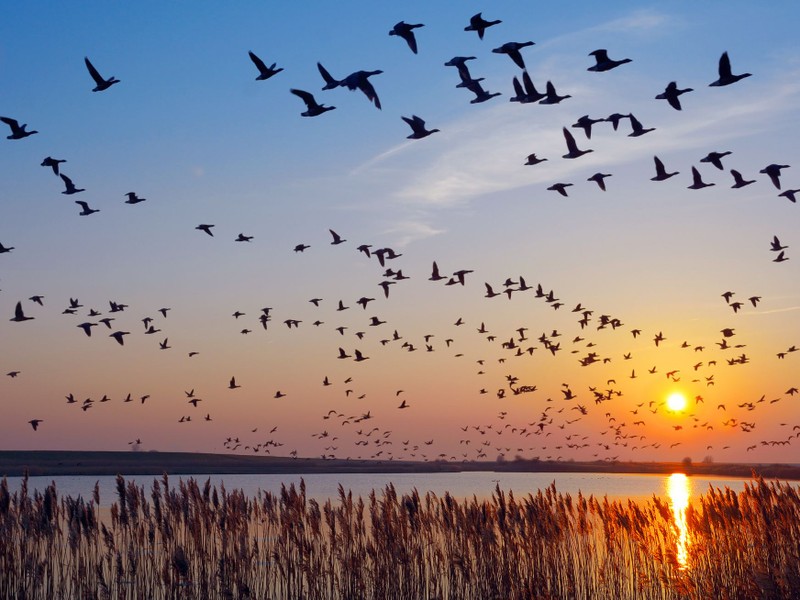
(559,425)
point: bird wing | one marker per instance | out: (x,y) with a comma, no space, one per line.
(330,82)
(336,236)
(13,123)
(571,145)
(305,97)
(724,66)
(365,86)
(262,68)
(82,204)
(93,72)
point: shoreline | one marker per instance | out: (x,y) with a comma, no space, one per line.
(95,463)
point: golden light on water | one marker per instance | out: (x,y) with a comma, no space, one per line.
(679,490)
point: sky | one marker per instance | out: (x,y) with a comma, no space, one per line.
(190,129)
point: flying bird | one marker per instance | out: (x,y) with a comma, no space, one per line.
(512,49)
(206,228)
(417,127)
(726,77)
(406,31)
(636,127)
(561,188)
(4,249)
(313,109)
(35,423)
(572,147)
(603,63)
(773,171)
(19,315)
(101,83)
(739,181)
(52,163)
(85,209)
(264,72)
(671,93)
(17,131)
(117,335)
(478,24)
(697,180)
(133,198)
(552,97)
(69,186)
(789,195)
(715,158)
(599,179)
(337,239)
(534,160)
(661,172)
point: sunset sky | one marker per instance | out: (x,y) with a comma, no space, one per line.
(190,129)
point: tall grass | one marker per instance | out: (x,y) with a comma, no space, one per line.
(188,541)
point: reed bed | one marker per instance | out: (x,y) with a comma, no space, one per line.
(198,541)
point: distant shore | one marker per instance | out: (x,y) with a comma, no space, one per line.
(60,463)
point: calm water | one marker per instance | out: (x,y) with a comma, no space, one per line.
(460,485)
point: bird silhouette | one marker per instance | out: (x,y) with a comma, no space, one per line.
(418,128)
(69,186)
(4,249)
(512,50)
(552,97)
(133,198)
(85,209)
(572,147)
(534,160)
(118,335)
(661,172)
(789,195)
(53,163)
(561,188)
(599,179)
(18,131)
(478,24)
(337,239)
(636,127)
(773,171)
(726,77)
(264,72)
(740,181)
(19,315)
(697,181)
(715,158)
(101,84)
(35,423)
(603,63)
(671,94)
(313,109)
(206,228)
(406,31)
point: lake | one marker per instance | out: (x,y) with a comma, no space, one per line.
(637,487)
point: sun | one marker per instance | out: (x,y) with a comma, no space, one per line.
(676,402)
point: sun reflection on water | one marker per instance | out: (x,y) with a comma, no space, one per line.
(679,489)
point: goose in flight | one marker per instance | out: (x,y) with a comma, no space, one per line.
(481,95)
(572,147)
(585,123)
(671,93)
(87,328)
(603,63)
(726,77)
(19,315)
(774,173)
(435,275)
(69,186)
(117,335)
(526,92)
(35,423)
(715,158)
(406,31)
(739,181)
(52,163)
(512,49)
(337,239)
(313,109)
(417,128)
(206,228)
(264,72)
(133,198)
(561,188)
(636,127)
(697,180)
(85,209)
(775,244)
(478,24)
(789,194)
(244,238)
(534,160)
(661,172)
(101,83)
(599,179)
(357,81)
(17,131)
(552,97)
(232,385)
(4,249)
(301,247)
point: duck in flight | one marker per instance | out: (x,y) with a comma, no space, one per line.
(726,77)
(478,24)
(406,31)
(264,72)
(671,94)
(603,63)
(17,131)
(417,128)
(313,108)
(101,84)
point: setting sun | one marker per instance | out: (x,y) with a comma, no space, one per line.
(676,402)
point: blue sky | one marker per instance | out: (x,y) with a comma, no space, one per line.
(191,130)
